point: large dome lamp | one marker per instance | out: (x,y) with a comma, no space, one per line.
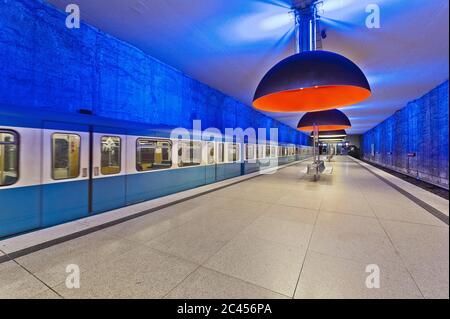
(332,121)
(311,80)
(329,120)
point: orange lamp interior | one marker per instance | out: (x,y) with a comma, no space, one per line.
(324,128)
(312,99)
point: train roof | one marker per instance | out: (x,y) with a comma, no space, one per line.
(36,118)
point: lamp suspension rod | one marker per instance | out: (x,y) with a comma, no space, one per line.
(306,26)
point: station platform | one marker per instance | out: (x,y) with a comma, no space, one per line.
(278,235)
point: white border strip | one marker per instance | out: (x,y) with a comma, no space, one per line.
(429,198)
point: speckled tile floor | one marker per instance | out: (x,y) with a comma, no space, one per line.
(274,236)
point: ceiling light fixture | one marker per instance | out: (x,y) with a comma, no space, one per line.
(311,80)
(331,140)
(331,134)
(329,120)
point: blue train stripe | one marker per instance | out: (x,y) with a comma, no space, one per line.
(63,202)
(108,193)
(19,209)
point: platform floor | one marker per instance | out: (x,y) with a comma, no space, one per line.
(274,236)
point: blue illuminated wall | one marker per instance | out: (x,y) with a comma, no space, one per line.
(45,65)
(422,128)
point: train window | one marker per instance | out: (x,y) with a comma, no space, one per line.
(221,153)
(233,152)
(189,153)
(9,158)
(249,151)
(267,151)
(261,151)
(65,156)
(153,154)
(211,153)
(110,155)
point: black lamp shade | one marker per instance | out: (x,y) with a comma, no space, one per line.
(311,81)
(329,120)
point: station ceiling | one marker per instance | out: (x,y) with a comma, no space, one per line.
(230,44)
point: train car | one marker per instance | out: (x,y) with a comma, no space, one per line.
(55,168)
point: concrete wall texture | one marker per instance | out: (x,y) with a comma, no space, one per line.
(45,65)
(421,128)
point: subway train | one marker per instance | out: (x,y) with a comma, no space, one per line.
(55,168)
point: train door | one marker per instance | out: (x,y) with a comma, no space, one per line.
(20,179)
(242,157)
(65,172)
(210,167)
(108,184)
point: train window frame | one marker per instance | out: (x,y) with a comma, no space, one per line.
(221,151)
(273,151)
(237,152)
(120,155)
(246,147)
(53,157)
(261,152)
(192,163)
(267,150)
(208,153)
(17,143)
(156,141)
